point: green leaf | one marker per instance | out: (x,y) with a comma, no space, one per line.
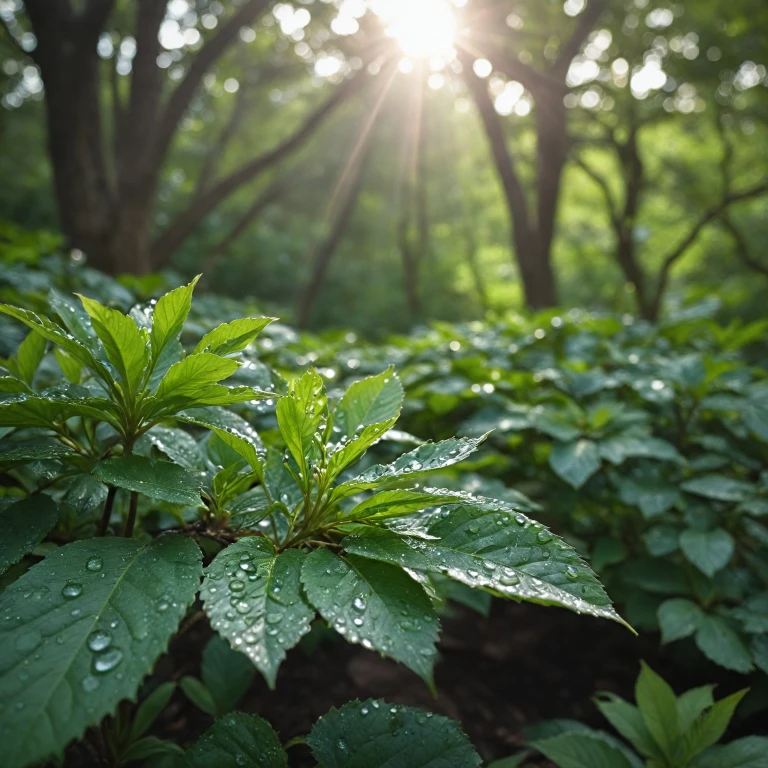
(176,444)
(237,741)
(226,673)
(374,604)
(575,462)
(246,444)
(300,415)
(70,367)
(156,479)
(73,317)
(426,458)
(374,733)
(692,703)
(199,695)
(719,643)
(658,705)
(760,651)
(34,411)
(399,503)
(32,450)
(374,400)
(150,709)
(150,746)
(23,526)
(125,345)
(628,721)
(494,548)
(347,453)
(233,337)
(29,355)
(189,382)
(719,487)
(101,611)
(750,752)
(678,618)
(708,729)
(582,750)
(618,449)
(57,335)
(253,598)
(651,496)
(709,551)
(169,316)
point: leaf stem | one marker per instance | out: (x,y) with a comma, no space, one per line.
(107,513)
(131,522)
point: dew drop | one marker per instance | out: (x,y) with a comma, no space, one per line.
(94,564)
(71,590)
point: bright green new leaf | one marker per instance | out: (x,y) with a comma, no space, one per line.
(300,416)
(374,400)
(186,382)
(374,733)
(29,355)
(375,604)
(126,347)
(23,526)
(169,316)
(156,479)
(349,452)
(708,729)
(575,462)
(692,704)
(628,721)
(584,750)
(70,366)
(400,503)
(253,598)
(237,741)
(709,551)
(230,338)
(495,548)
(92,619)
(658,706)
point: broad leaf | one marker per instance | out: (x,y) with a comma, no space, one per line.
(628,721)
(708,729)
(233,337)
(374,733)
(575,462)
(126,347)
(618,449)
(237,741)
(399,503)
(426,458)
(253,598)
(89,622)
(169,315)
(493,548)
(348,452)
(583,750)
(721,644)
(29,355)
(35,411)
(189,381)
(32,450)
(375,604)
(719,487)
(70,367)
(749,752)
(226,673)
(658,705)
(156,479)
(709,551)
(678,618)
(371,401)
(23,526)
(300,416)
(176,444)
(692,704)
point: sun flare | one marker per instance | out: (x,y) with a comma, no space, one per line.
(422,28)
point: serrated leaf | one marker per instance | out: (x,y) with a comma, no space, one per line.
(575,462)
(85,494)
(618,449)
(709,551)
(125,345)
(721,644)
(23,526)
(349,452)
(253,598)
(74,318)
(426,458)
(375,604)
(386,504)
(36,411)
(49,330)
(237,741)
(101,611)
(29,355)
(374,400)
(374,733)
(678,618)
(719,487)
(156,479)
(233,337)
(32,450)
(169,315)
(300,415)
(226,673)
(247,445)
(583,750)
(188,381)
(176,444)
(493,548)
(708,729)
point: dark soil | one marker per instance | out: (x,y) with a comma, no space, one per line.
(498,675)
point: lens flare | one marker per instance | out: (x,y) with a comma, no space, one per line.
(422,28)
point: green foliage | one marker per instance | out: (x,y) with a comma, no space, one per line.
(665,731)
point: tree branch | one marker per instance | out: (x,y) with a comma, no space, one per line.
(742,247)
(613,211)
(165,245)
(573,45)
(206,57)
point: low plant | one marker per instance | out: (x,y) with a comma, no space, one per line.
(289,530)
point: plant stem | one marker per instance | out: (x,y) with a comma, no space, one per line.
(131,522)
(107,514)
